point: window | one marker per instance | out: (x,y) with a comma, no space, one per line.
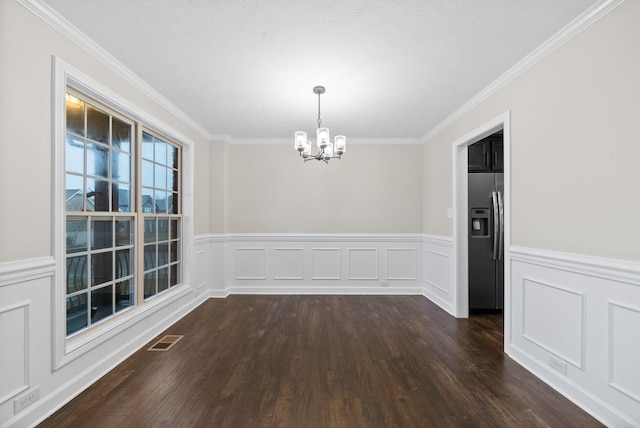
(123,213)
(161,214)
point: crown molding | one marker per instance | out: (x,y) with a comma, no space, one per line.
(59,23)
(368,141)
(571,30)
(219,138)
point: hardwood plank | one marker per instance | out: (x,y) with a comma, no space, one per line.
(323,361)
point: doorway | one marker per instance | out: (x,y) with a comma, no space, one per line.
(461,217)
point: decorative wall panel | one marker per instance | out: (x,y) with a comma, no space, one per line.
(437,275)
(288,263)
(325,263)
(201,268)
(624,349)
(438,272)
(553,318)
(14,353)
(363,263)
(401,263)
(250,263)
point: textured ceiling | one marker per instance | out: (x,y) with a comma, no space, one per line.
(392,68)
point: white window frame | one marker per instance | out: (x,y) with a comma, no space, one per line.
(66,349)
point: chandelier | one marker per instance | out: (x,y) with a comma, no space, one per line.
(326,149)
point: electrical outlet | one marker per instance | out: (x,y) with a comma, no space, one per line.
(27,399)
(558,365)
(385,283)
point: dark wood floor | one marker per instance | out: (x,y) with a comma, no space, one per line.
(323,361)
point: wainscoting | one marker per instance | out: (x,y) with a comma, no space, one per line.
(25,289)
(439,272)
(576,324)
(326,264)
(31,386)
(323,264)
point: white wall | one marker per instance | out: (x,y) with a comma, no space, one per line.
(575,258)
(574,134)
(374,188)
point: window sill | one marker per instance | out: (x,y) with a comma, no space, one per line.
(84,342)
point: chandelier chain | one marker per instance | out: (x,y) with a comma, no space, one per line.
(319,120)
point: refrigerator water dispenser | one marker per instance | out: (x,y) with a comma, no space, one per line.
(479,222)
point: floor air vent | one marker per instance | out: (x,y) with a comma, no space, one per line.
(165,343)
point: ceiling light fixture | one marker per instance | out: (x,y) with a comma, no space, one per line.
(326,149)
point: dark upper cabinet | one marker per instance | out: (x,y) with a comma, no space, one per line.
(487,155)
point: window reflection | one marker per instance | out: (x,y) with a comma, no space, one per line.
(77,274)
(147,146)
(97,195)
(101,303)
(74,154)
(101,268)
(150,284)
(97,160)
(101,233)
(124,232)
(120,135)
(124,295)
(150,230)
(163,229)
(97,125)
(150,260)
(76,235)
(75,115)
(160,149)
(74,198)
(77,314)
(124,263)
(163,279)
(121,167)
(121,197)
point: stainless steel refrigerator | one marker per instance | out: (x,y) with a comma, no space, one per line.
(486,240)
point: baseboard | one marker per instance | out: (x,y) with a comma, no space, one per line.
(446,306)
(280,290)
(219,294)
(582,398)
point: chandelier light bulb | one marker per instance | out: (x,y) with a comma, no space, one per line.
(300,141)
(323,137)
(340,144)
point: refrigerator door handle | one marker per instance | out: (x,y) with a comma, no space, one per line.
(501,235)
(496,226)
